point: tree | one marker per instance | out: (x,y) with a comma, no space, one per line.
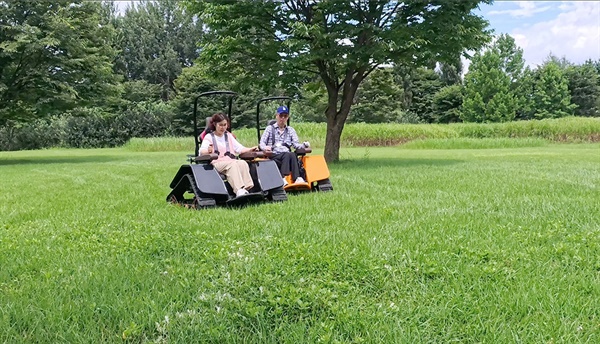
(446,104)
(156,40)
(551,95)
(54,56)
(379,99)
(584,88)
(490,84)
(451,73)
(424,84)
(340,41)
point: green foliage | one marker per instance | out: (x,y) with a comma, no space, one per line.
(475,143)
(489,94)
(424,84)
(584,88)
(312,103)
(341,42)
(446,104)
(53,58)
(36,134)
(379,99)
(551,97)
(451,73)
(92,128)
(156,39)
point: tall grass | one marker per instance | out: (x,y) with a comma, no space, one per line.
(427,246)
(568,129)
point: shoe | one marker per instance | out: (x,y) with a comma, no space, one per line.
(285,182)
(300,180)
(241,192)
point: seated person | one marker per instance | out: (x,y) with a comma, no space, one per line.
(279,138)
(222,142)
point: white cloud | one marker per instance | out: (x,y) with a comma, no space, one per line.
(574,33)
(526,9)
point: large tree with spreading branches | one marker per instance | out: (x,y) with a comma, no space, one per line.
(339,41)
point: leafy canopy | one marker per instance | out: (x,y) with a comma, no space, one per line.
(339,41)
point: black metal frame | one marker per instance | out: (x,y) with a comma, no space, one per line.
(206,94)
(258,128)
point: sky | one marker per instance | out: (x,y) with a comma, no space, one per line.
(569,29)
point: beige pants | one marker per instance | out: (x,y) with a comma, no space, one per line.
(237,173)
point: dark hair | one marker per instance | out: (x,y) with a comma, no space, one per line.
(216,118)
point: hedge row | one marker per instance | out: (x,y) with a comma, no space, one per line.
(89,128)
(96,129)
(568,129)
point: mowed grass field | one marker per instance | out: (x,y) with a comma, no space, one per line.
(496,245)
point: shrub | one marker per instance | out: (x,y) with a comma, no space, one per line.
(41,133)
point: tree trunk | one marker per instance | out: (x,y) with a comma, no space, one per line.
(335,126)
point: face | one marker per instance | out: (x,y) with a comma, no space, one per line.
(221,127)
(282,118)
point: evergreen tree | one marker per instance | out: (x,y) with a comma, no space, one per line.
(487,94)
(451,73)
(378,99)
(551,95)
(446,104)
(584,88)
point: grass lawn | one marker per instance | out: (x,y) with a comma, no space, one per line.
(413,245)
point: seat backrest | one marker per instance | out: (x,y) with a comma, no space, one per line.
(206,128)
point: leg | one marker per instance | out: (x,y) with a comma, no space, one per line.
(231,169)
(288,163)
(279,160)
(244,172)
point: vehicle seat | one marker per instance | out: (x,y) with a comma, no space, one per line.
(206,128)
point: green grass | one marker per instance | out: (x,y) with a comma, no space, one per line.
(471,143)
(445,136)
(489,245)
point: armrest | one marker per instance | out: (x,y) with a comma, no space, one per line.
(206,158)
(303,151)
(252,155)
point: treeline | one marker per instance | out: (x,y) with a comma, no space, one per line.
(82,74)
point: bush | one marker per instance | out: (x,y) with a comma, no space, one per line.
(94,128)
(41,133)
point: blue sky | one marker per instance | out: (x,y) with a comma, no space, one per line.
(569,29)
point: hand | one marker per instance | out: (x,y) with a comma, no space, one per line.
(306,144)
(210,148)
(255,149)
(268,149)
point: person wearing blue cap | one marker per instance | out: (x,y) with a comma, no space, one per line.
(279,138)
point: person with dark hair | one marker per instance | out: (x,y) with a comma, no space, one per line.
(279,138)
(223,143)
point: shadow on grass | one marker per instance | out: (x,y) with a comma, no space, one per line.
(60,160)
(392,162)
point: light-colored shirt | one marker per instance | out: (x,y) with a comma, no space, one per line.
(283,139)
(237,147)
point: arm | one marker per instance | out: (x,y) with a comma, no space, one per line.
(294,137)
(207,146)
(239,148)
(265,138)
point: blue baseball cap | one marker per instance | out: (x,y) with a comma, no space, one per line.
(283,109)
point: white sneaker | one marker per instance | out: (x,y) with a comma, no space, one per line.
(241,192)
(300,180)
(285,181)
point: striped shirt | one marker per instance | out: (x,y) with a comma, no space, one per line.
(284,140)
